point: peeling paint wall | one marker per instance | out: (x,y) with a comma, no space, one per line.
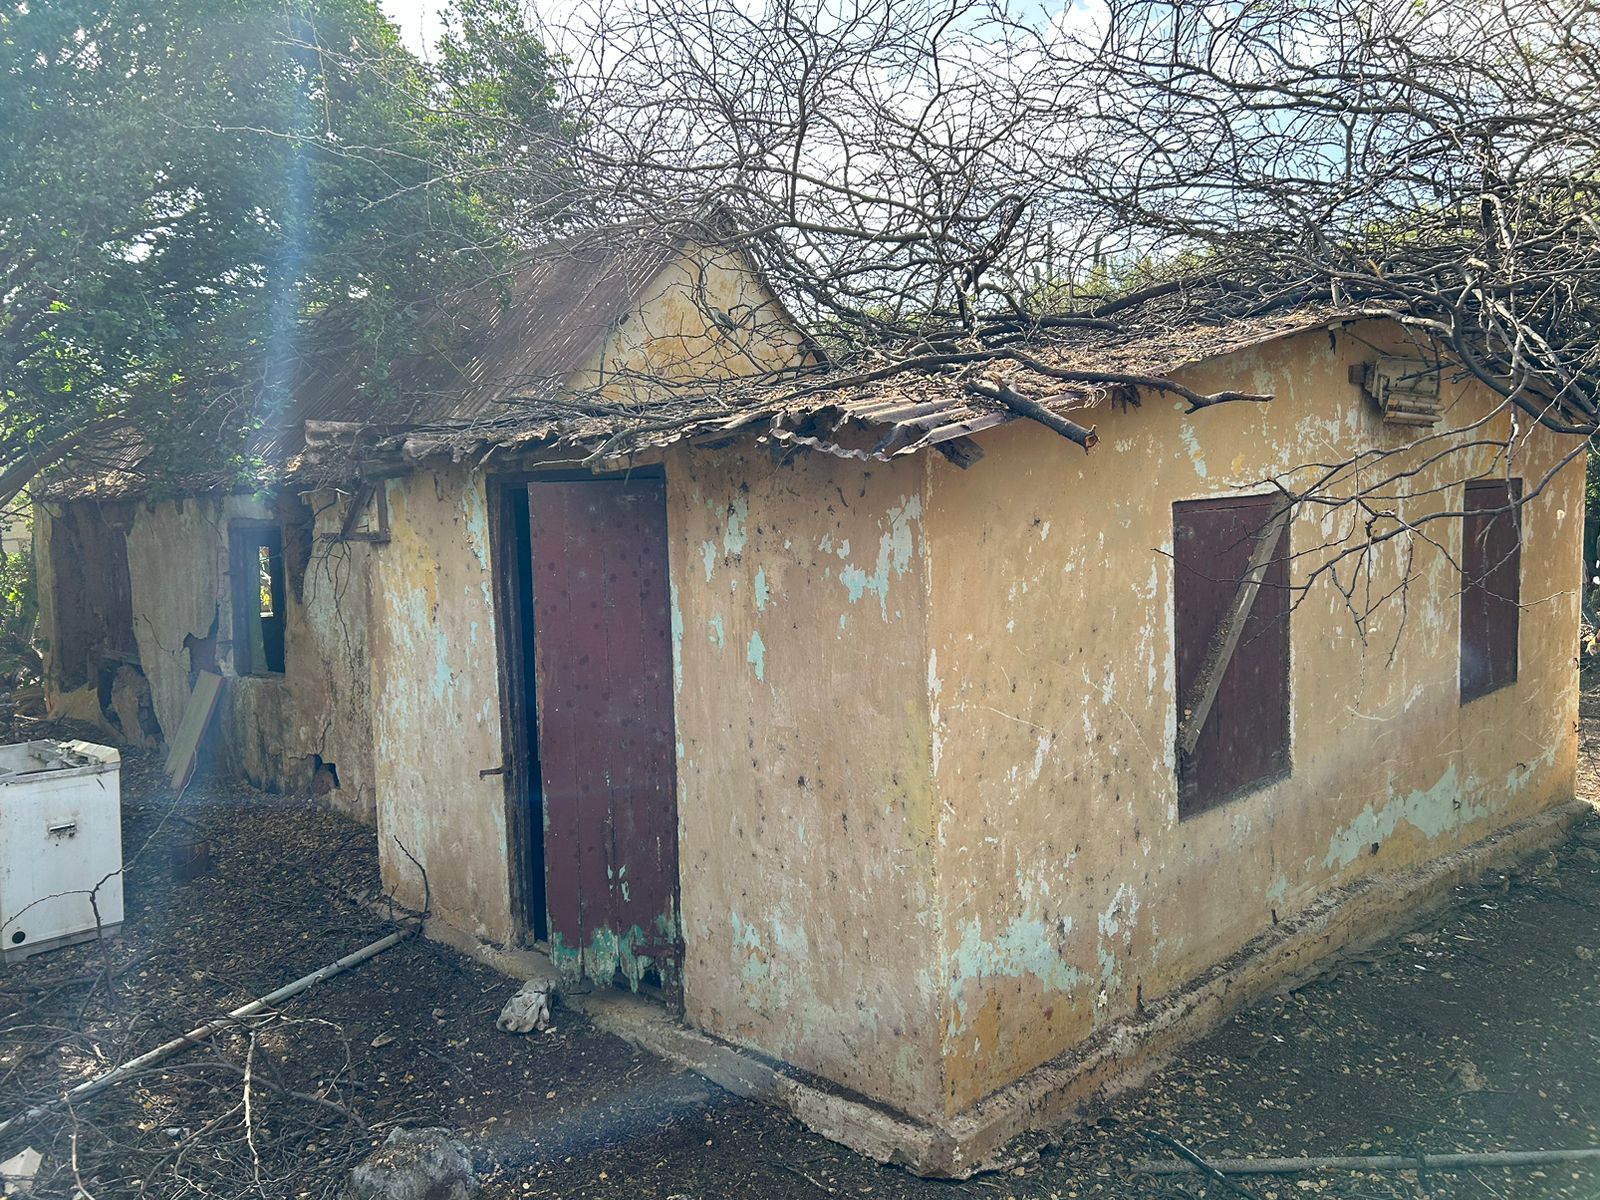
(1072,890)
(804,793)
(436,704)
(270,725)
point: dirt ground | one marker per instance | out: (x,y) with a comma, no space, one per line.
(1478,1030)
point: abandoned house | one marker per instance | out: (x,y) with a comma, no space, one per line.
(888,733)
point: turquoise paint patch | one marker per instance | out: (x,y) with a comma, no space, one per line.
(475,510)
(1431,811)
(1192,444)
(756,655)
(1278,890)
(1025,949)
(857,581)
(895,550)
(609,954)
(770,975)
(745,936)
(761,589)
(708,552)
(1445,807)
(566,959)
(719,635)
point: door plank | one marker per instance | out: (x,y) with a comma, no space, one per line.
(606,738)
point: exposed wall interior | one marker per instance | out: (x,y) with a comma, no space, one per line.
(281,731)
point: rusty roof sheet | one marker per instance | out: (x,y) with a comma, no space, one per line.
(507,390)
(528,340)
(840,413)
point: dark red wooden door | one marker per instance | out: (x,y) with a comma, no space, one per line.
(603,686)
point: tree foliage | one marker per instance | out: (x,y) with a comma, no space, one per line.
(194,194)
(917,173)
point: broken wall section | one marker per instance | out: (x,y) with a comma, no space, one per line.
(311,727)
(276,730)
(85,613)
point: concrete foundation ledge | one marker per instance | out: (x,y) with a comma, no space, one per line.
(1122,1053)
(994,1132)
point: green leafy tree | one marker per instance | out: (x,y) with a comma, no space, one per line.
(197,195)
(19,611)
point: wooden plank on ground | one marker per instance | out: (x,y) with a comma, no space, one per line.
(196,719)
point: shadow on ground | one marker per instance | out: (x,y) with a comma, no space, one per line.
(1478,1030)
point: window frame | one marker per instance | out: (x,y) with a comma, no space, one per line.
(246,539)
(1199,787)
(1485,504)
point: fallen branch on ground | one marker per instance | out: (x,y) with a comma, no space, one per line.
(1193,1162)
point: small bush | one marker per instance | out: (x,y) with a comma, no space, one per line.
(20,664)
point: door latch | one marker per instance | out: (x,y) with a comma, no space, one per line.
(488,771)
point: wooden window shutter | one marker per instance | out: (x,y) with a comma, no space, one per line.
(1242,740)
(1491,585)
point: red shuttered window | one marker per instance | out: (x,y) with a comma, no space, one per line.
(1243,740)
(1491,586)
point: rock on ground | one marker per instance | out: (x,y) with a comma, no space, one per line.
(416,1164)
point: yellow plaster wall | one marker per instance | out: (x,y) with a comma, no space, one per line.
(804,797)
(673,334)
(436,704)
(1073,891)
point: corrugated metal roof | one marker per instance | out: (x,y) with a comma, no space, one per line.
(556,309)
(525,335)
(448,403)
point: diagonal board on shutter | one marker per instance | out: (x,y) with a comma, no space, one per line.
(1197,706)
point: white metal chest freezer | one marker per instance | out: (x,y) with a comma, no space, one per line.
(60,844)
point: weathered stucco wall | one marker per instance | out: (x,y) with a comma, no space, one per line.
(436,704)
(320,707)
(1073,890)
(804,798)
